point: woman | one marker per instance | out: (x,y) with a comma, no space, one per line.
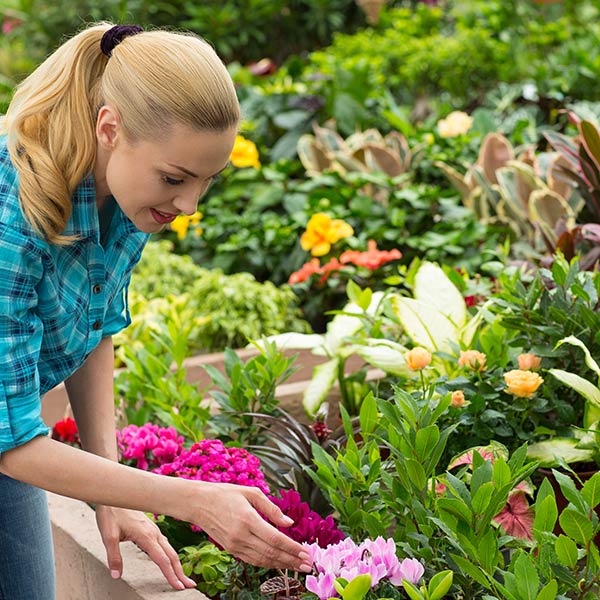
(113,136)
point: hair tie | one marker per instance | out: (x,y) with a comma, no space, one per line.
(115,35)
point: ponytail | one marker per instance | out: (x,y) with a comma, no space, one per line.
(51,130)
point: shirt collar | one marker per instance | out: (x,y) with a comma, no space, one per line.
(84,221)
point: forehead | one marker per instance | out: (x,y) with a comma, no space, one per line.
(199,151)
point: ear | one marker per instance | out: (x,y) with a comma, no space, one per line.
(108,127)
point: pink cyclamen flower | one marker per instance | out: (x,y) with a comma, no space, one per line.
(346,559)
(321,585)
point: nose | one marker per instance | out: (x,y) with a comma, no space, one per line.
(187,201)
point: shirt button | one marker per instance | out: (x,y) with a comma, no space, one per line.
(97,288)
(97,325)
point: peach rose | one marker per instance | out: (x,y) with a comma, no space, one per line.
(456,123)
(417,359)
(458,399)
(522,384)
(529,362)
(472,359)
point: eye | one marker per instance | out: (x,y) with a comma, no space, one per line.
(171,181)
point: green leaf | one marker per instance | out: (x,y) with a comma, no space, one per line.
(488,550)
(591,491)
(324,376)
(576,525)
(425,325)
(582,386)
(589,361)
(548,451)
(439,584)
(566,551)
(549,591)
(546,514)
(433,287)
(472,571)
(353,291)
(482,496)
(369,415)
(412,590)
(527,578)
(416,473)
(357,588)
(426,440)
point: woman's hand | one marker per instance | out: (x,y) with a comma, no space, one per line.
(228,514)
(120,525)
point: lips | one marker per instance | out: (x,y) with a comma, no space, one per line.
(161,217)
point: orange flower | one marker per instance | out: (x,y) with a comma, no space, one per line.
(372,258)
(522,384)
(529,362)
(321,232)
(244,153)
(472,359)
(417,359)
(458,399)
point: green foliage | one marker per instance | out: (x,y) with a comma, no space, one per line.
(154,387)
(217,310)
(247,388)
(207,565)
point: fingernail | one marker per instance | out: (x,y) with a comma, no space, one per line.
(288,519)
(115,574)
(190,581)
(306,568)
(304,556)
(180,586)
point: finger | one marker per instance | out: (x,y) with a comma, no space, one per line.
(270,510)
(113,554)
(176,563)
(153,548)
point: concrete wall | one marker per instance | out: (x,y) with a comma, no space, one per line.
(81,568)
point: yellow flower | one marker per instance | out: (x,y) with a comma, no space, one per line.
(473,359)
(417,359)
(522,384)
(244,153)
(456,123)
(458,399)
(182,223)
(321,232)
(529,362)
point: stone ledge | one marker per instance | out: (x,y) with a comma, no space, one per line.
(81,571)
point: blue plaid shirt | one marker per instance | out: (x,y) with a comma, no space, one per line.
(56,302)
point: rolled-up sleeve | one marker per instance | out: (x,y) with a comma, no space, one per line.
(21,333)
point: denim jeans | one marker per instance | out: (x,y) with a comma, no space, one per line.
(26,553)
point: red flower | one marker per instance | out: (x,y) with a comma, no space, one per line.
(372,258)
(516,518)
(66,431)
(307,269)
(328,268)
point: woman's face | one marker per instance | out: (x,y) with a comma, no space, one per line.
(154,182)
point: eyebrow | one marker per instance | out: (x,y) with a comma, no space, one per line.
(188,172)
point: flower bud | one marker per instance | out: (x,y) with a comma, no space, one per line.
(472,359)
(458,399)
(529,362)
(417,359)
(522,384)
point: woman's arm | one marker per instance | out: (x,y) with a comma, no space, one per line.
(227,513)
(91,394)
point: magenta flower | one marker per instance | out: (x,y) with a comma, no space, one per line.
(149,446)
(309,526)
(210,460)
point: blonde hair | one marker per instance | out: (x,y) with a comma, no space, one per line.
(153,79)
